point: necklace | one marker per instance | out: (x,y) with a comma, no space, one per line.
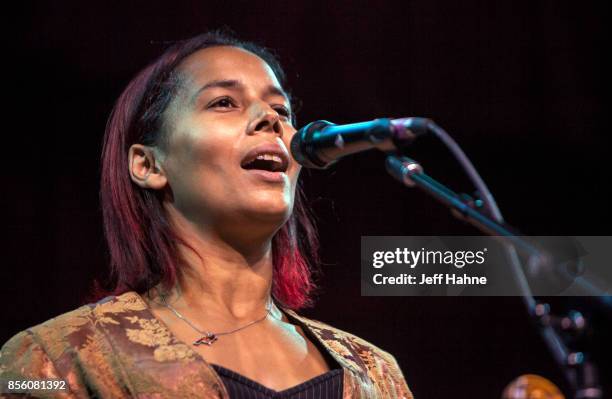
(209,337)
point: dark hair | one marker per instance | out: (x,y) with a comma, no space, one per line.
(144,249)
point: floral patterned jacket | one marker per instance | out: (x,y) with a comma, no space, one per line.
(117,348)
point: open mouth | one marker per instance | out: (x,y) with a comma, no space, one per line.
(270,161)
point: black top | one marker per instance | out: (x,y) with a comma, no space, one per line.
(324,386)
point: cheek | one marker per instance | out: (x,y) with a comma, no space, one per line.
(213,154)
(207,150)
(200,166)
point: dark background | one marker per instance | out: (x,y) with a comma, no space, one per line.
(521,85)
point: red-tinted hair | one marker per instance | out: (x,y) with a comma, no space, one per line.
(144,249)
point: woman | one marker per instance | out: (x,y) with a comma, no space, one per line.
(208,250)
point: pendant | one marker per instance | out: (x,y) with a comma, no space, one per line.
(207,339)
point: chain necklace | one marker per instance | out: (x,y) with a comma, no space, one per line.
(209,337)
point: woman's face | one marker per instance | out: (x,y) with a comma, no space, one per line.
(227,158)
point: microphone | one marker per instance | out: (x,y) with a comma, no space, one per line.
(319,144)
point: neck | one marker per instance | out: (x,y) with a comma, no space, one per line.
(222,274)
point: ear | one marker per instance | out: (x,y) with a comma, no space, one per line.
(144,168)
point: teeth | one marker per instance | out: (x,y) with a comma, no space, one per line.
(270,157)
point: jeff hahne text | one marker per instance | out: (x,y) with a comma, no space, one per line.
(412,259)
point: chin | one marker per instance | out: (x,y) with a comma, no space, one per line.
(272,208)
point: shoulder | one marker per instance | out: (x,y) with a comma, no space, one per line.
(357,353)
(41,352)
(78,323)
(59,347)
(328,332)
(42,335)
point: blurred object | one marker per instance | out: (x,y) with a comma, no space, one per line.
(531,386)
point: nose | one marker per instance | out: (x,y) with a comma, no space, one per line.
(268,121)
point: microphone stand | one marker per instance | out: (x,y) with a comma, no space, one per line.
(579,371)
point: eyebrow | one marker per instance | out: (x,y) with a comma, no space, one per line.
(237,85)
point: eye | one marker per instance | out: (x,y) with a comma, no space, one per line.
(224,102)
(282,111)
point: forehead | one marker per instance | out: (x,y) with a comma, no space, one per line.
(227,63)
